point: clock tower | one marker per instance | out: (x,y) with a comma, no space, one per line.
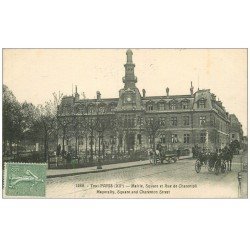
(129,96)
(130,109)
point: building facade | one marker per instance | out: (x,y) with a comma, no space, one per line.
(135,121)
(235,132)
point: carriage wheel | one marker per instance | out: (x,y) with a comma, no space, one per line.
(217,167)
(197,166)
(223,167)
(168,160)
(175,159)
(210,166)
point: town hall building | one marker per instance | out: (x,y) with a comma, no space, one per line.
(136,121)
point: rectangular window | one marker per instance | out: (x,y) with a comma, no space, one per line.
(201,104)
(174,121)
(151,139)
(151,120)
(185,120)
(163,139)
(80,141)
(139,138)
(172,106)
(202,120)
(140,121)
(174,138)
(186,138)
(134,121)
(150,107)
(129,121)
(91,110)
(161,106)
(162,121)
(184,105)
(202,137)
(120,140)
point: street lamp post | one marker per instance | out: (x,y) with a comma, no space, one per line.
(99,165)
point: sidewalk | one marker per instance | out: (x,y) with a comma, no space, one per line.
(244,186)
(52,173)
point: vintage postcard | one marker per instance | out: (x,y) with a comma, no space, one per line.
(125,123)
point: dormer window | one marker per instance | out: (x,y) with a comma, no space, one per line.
(91,110)
(65,110)
(101,110)
(81,109)
(173,106)
(150,107)
(161,106)
(184,105)
(202,103)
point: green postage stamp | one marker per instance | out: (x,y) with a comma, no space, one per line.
(25,179)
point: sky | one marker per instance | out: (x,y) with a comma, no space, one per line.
(34,74)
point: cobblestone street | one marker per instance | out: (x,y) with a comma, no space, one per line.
(177,180)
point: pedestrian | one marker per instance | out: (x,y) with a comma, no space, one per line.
(68,157)
(178,153)
(58,150)
(157,156)
(151,156)
(193,152)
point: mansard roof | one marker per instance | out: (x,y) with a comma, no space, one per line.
(96,100)
(166,97)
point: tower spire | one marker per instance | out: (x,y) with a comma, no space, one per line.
(129,54)
(130,79)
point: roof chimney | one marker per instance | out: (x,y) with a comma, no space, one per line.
(191,89)
(76,94)
(98,95)
(144,93)
(167,91)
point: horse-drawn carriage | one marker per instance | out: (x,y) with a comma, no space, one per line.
(215,162)
(165,156)
(168,158)
(212,161)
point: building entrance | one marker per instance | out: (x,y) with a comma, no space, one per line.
(130,142)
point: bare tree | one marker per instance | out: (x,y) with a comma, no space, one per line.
(45,124)
(152,126)
(11,120)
